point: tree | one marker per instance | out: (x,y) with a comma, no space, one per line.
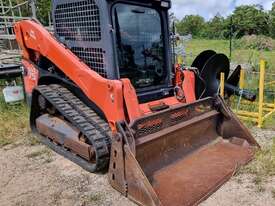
(43,10)
(216,28)
(272,21)
(250,20)
(191,24)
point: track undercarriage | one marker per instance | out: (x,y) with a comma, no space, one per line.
(70,127)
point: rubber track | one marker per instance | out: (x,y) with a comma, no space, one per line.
(95,129)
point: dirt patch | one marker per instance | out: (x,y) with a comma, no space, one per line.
(31,174)
(242,191)
(249,187)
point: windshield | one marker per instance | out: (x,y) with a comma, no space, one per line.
(140,45)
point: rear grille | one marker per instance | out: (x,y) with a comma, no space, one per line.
(78,21)
(93,57)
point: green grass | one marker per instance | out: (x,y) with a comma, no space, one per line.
(264,164)
(95,198)
(262,168)
(14,122)
(5,141)
(239,56)
(270,122)
(39,153)
(31,140)
(43,154)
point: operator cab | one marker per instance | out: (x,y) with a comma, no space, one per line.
(142,44)
(120,39)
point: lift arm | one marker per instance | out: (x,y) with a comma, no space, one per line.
(106,94)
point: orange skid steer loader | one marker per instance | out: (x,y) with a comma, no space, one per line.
(104,92)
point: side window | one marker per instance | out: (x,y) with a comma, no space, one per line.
(140,44)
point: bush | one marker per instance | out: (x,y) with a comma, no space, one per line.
(260,42)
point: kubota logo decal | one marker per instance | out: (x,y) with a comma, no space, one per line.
(32,34)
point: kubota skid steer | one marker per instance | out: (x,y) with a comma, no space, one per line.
(105,94)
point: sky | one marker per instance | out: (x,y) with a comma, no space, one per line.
(209,8)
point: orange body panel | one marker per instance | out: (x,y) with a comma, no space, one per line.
(178,75)
(106,94)
(185,80)
(131,100)
(145,108)
(31,75)
(188,86)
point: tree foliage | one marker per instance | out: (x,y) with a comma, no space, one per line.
(191,24)
(272,21)
(43,10)
(245,20)
(250,20)
(216,28)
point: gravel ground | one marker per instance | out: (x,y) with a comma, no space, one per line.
(33,175)
(241,190)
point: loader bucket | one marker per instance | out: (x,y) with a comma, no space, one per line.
(179,156)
